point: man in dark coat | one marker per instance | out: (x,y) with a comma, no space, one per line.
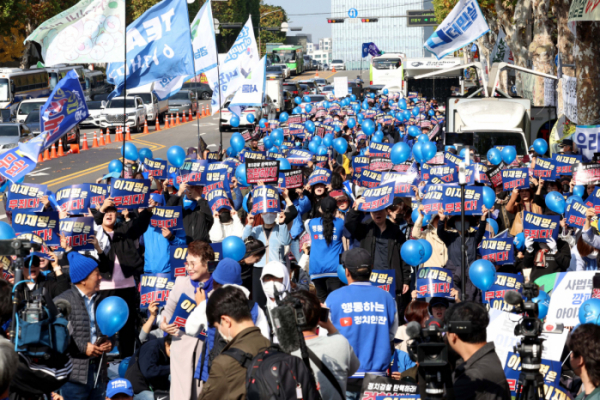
(197,216)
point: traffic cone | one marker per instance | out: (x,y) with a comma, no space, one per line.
(167,122)
(85,144)
(119,137)
(317,74)
(107,141)
(157,125)
(46,155)
(198,115)
(172,121)
(101,141)
(191,118)
(61,153)
(177,119)
(205,111)
(53,152)
(74,148)
(40,158)
(145,128)
(95,141)
(128,136)
(184,118)
(333,70)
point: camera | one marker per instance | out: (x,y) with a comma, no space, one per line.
(33,311)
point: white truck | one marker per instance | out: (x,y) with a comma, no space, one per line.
(274,91)
(134,108)
(155,108)
(487,121)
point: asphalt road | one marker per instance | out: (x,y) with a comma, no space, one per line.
(89,165)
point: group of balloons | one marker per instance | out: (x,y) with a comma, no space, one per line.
(416,251)
(508,155)
(130,152)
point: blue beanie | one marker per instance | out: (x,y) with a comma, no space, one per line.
(228,271)
(80,267)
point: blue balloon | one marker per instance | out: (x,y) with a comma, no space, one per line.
(237,142)
(428,250)
(385,91)
(144,153)
(494,156)
(489,197)
(309,126)
(245,202)
(368,127)
(115,166)
(268,142)
(233,247)
(509,154)
(412,252)
(579,190)
(111,315)
(340,145)
(353,97)
(431,113)
(415,111)
(519,241)
(328,139)
(589,312)
(447,148)
(377,137)
(313,146)
(400,153)
(298,100)
(543,302)
(365,106)
(6,231)
(317,140)
(123,365)
(176,156)
(423,138)
(283,117)
(483,274)
(277,135)
(297,110)
(250,118)
(306,99)
(230,152)
(351,123)
(130,152)
(234,121)
(240,174)
(360,118)
(321,150)
(402,104)
(415,215)
(556,202)
(284,164)
(463,152)
(372,95)
(574,198)
(326,104)
(428,151)
(540,146)
(418,152)
(341,273)
(414,131)
(493,224)
(406,115)
(308,108)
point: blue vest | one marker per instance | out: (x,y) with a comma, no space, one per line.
(325,259)
(364,314)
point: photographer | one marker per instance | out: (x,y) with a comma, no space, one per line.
(478,374)
(585,359)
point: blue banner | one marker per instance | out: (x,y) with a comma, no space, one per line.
(494,296)
(515,178)
(434,282)
(158,49)
(25,196)
(300,157)
(452,159)
(265,199)
(442,174)
(540,227)
(545,169)
(77,231)
(218,199)
(550,370)
(358,164)
(320,175)
(378,198)
(192,173)
(384,279)
(155,288)
(130,193)
(447,198)
(64,109)
(98,193)
(379,150)
(184,308)
(369,179)
(155,168)
(42,224)
(224,185)
(403,182)
(564,163)
(575,214)
(167,217)
(75,199)
(178,260)
(253,155)
(14,166)
(497,250)
(380,164)
(218,250)
(296,129)
(293,179)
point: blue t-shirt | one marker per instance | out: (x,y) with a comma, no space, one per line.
(324,258)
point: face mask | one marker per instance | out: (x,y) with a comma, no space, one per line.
(269,288)
(269,218)
(458,225)
(593,255)
(227,338)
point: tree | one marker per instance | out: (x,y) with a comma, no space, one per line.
(271,16)
(587,48)
(11,46)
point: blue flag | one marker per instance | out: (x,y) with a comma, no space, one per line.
(159,48)
(370,48)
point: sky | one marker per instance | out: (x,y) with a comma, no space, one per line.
(312,24)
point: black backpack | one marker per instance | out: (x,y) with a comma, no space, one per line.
(275,375)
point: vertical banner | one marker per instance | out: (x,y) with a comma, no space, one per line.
(77,231)
(550,370)
(587,139)
(575,214)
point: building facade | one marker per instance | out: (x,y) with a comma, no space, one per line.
(389,34)
(323,56)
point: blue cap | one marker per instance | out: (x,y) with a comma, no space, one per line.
(158,198)
(113,175)
(117,386)
(228,271)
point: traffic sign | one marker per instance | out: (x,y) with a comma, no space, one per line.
(352,13)
(418,18)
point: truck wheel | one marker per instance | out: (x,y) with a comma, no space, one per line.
(136,128)
(204,96)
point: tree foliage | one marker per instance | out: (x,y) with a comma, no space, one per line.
(274,16)
(11,45)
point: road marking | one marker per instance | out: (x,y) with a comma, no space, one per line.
(39,172)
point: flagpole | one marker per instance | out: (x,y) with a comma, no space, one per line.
(123,133)
(219,85)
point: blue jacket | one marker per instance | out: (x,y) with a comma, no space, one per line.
(157,257)
(325,260)
(280,237)
(302,205)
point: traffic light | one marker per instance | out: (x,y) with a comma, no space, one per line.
(369,20)
(335,20)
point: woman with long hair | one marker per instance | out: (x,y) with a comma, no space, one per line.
(521,200)
(326,246)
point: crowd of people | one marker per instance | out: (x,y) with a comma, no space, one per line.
(316,246)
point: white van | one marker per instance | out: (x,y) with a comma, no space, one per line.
(274,91)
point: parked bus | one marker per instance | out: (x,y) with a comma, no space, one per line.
(17,85)
(57,72)
(387,69)
(94,81)
(292,56)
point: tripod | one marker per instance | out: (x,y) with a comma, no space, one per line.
(530,385)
